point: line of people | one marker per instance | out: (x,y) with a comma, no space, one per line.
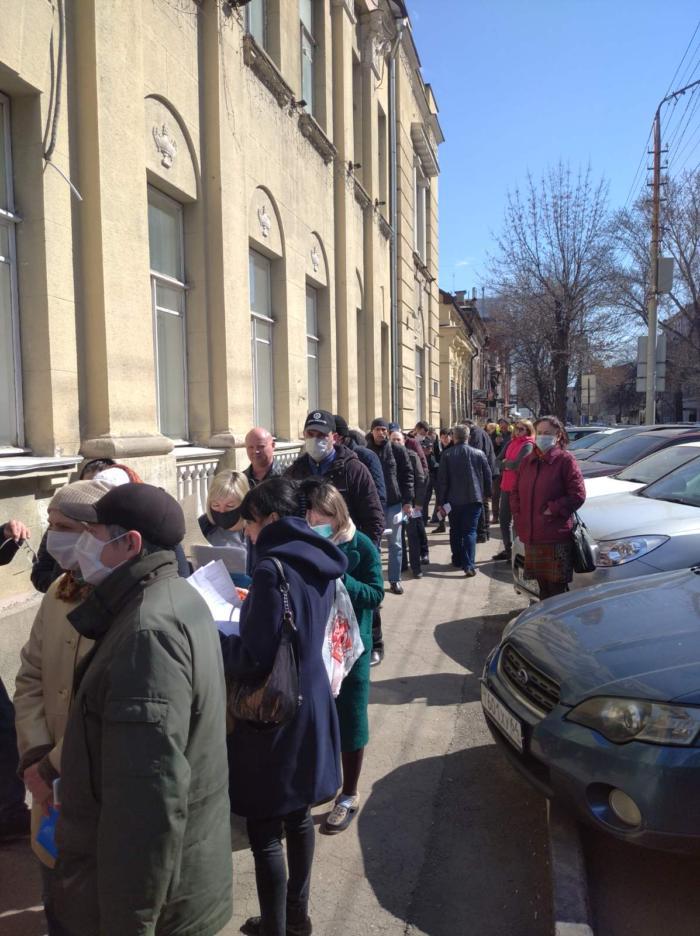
(121,691)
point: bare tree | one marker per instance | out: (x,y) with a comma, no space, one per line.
(554,263)
(679,311)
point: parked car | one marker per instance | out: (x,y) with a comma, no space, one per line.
(643,472)
(588,448)
(594,696)
(653,529)
(623,453)
(581,432)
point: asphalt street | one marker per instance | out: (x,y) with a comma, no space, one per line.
(449,840)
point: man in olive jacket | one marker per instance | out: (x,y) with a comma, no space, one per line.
(143,832)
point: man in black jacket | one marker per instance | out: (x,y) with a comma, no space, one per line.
(400,490)
(343,469)
(464,482)
(14,815)
(480,439)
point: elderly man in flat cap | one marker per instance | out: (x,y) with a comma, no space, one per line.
(143,831)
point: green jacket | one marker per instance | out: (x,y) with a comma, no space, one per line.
(143,832)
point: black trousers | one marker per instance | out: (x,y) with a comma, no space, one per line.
(283,894)
(11,787)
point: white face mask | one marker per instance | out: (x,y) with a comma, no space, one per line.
(318,447)
(88,552)
(545,442)
(61,546)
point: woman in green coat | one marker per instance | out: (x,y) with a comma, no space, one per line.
(328,515)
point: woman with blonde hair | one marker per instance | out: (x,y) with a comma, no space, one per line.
(328,515)
(221,523)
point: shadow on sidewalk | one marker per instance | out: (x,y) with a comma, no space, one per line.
(484,867)
(21,910)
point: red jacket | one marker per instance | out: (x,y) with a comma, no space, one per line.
(551,481)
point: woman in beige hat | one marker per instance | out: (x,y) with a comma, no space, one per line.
(48,662)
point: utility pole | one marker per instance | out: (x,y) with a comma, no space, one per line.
(652,301)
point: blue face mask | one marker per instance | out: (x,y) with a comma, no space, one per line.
(324,529)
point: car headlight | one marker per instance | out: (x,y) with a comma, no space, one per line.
(623,720)
(618,552)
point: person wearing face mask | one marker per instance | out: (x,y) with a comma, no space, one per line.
(221,524)
(328,516)
(548,489)
(143,831)
(49,659)
(275,776)
(324,458)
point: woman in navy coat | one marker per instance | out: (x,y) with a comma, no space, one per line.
(275,776)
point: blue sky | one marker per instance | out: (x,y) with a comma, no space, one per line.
(523,83)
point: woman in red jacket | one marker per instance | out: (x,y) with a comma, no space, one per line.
(549,487)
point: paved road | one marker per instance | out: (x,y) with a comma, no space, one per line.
(449,840)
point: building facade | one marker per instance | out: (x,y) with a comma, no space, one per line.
(213,215)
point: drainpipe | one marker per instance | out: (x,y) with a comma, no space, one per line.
(393,168)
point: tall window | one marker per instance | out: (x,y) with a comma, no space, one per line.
(10,397)
(419,211)
(261,341)
(313,344)
(382,159)
(420,375)
(308,53)
(256,21)
(168,292)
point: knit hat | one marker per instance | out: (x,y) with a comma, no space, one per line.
(150,510)
(379,423)
(341,426)
(76,500)
(113,476)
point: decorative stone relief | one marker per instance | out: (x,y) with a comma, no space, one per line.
(315,258)
(265,221)
(166,145)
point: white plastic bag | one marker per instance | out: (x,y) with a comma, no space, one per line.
(343,643)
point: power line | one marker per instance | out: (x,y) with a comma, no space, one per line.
(670,85)
(673,157)
(678,134)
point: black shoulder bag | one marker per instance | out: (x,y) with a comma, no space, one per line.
(584,546)
(273,701)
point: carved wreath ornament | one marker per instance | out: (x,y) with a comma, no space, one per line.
(265,221)
(166,146)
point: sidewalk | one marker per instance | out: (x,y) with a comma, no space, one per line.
(449,841)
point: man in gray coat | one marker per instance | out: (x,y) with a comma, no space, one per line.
(464,482)
(143,834)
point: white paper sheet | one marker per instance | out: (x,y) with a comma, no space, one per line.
(214,584)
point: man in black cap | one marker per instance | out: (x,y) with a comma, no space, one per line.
(335,462)
(143,831)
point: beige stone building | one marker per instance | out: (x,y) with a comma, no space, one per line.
(213,214)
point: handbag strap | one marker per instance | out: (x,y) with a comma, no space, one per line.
(287,617)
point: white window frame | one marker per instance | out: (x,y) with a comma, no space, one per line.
(420,224)
(9,220)
(420,381)
(259,317)
(313,361)
(181,286)
(261,40)
(308,94)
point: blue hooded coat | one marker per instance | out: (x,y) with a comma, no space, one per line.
(272,773)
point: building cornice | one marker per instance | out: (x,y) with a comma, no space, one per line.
(317,138)
(266,71)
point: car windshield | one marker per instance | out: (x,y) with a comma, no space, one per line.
(589,439)
(655,466)
(682,486)
(631,450)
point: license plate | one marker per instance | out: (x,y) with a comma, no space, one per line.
(497,712)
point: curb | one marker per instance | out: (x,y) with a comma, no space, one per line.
(571,911)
